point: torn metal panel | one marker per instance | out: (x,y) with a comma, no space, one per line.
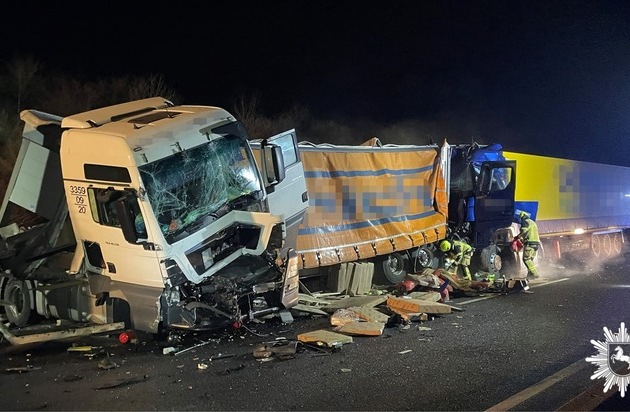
(59,334)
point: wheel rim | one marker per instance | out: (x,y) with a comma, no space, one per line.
(395,268)
(16,299)
(596,245)
(424,257)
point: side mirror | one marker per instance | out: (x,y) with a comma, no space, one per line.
(130,218)
(273,160)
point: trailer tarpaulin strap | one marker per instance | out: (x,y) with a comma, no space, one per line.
(370,201)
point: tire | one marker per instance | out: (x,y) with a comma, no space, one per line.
(395,267)
(424,258)
(491,260)
(596,245)
(607,245)
(617,243)
(18,295)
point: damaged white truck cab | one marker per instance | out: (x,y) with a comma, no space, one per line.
(148,213)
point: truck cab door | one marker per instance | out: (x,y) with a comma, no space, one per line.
(283,175)
(494,198)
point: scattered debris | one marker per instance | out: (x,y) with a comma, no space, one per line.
(409,316)
(324,337)
(362,328)
(202,366)
(75,348)
(72,378)
(57,331)
(281,349)
(286,316)
(222,356)
(125,382)
(107,364)
(404,351)
(417,305)
(169,350)
(192,347)
(344,316)
(351,301)
(20,369)
(230,370)
(128,336)
(308,309)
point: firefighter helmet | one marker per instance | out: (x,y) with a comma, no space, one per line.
(523,215)
(445,246)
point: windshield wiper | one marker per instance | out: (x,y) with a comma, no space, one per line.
(243,200)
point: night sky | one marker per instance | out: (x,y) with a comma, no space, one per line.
(542,77)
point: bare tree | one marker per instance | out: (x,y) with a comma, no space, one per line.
(151,86)
(247,108)
(23,77)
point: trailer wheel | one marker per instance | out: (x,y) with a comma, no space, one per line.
(424,258)
(617,243)
(596,246)
(395,267)
(607,245)
(17,294)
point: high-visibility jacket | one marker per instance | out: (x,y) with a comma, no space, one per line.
(529,232)
(461,252)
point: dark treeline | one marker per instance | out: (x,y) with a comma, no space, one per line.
(26,83)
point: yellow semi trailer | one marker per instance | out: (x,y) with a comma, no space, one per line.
(578,205)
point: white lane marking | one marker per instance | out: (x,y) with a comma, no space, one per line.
(499,294)
(525,394)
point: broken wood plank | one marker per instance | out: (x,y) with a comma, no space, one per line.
(343,316)
(370,314)
(416,305)
(426,295)
(456,308)
(362,328)
(368,301)
(302,297)
(410,316)
(324,337)
(309,309)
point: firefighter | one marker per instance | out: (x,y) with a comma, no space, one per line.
(461,253)
(531,241)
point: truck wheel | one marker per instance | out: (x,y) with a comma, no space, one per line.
(395,267)
(17,294)
(491,261)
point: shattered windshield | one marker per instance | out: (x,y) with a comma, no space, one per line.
(190,186)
